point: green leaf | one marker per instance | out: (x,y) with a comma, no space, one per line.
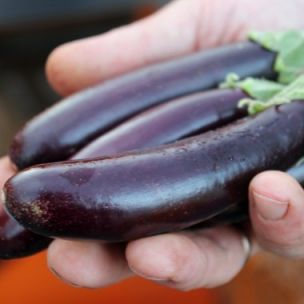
(261,89)
(289,46)
(294,91)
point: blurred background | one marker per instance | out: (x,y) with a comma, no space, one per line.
(29,30)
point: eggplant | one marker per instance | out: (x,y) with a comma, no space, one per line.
(158,190)
(240,212)
(166,123)
(233,215)
(16,241)
(61,131)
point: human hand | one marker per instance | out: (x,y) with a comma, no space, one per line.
(188,259)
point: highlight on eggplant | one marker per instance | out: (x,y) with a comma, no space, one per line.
(169,122)
(159,190)
(178,118)
(8,250)
(69,125)
(182,117)
(61,131)
(205,112)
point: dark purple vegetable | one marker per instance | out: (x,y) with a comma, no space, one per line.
(165,123)
(159,190)
(68,126)
(233,215)
(16,241)
(239,213)
(169,122)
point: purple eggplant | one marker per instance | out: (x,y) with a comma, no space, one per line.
(169,122)
(68,126)
(239,213)
(233,215)
(137,194)
(166,123)
(16,241)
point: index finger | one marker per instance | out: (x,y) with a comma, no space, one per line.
(182,27)
(171,32)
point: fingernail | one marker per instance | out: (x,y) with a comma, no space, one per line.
(147,277)
(247,246)
(269,208)
(63,279)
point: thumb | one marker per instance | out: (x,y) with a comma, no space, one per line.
(277,213)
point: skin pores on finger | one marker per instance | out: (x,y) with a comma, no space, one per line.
(278,230)
(189,260)
(87,264)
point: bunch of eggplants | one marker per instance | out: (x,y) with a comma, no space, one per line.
(157,150)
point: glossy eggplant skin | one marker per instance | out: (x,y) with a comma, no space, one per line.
(240,213)
(16,241)
(159,190)
(65,128)
(169,122)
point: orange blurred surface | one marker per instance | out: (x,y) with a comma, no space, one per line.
(29,281)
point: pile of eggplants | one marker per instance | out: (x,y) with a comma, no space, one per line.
(157,150)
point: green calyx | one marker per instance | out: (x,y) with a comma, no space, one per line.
(289,64)
(260,89)
(294,91)
(289,46)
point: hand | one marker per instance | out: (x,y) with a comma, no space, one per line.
(188,259)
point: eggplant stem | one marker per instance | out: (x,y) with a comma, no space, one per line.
(292,92)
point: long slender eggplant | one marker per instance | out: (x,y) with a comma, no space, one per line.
(166,123)
(16,241)
(161,189)
(169,122)
(62,130)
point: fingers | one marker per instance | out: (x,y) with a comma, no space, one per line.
(87,264)
(7,169)
(189,260)
(277,213)
(180,28)
(186,260)
(193,259)
(169,33)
